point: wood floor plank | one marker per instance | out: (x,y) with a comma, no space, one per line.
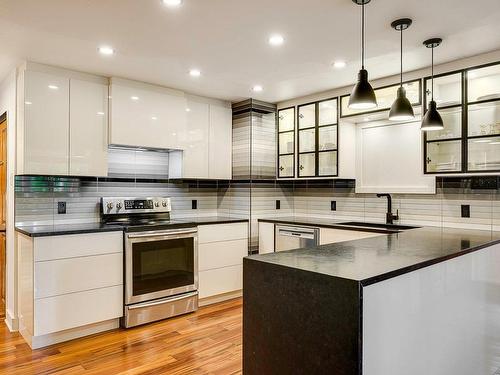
(208,341)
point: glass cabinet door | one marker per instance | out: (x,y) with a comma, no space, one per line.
(327,163)
(452,119)
(484,154)
(327,112)
(285,166)
(307,140)
(307,116)
(307,165)
(484,119)
(447,90)
(286,142)
(483,83)
(444,156)
(327,138)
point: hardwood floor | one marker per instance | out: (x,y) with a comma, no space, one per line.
(206,342)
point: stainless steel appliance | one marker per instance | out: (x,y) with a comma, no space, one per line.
(289,237)
(161,259)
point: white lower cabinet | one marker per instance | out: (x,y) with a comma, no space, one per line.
(221,250)
(69,285)
(266,237)
(330,235)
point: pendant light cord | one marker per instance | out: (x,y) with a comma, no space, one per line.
(401,60)
(432,73)
(363,35)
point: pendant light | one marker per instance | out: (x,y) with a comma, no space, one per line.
(401,109)
(432,119)
(362,95)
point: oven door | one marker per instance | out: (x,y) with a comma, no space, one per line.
(160,264)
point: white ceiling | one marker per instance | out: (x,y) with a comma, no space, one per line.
(227,40)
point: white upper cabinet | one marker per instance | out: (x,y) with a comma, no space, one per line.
(88,128)
(62,122)
(144,115)
(46,124)
(194,140)
(220,141)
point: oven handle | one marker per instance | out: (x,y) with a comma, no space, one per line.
(162,301)
(161,234)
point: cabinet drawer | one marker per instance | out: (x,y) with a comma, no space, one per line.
(222,232)
(221,254)
(220,280)
(77,245)
(72,275)
(72,310)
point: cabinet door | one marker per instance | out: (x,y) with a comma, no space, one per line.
(194,139)
(220,142)
(145,115)
(46,124)
(88,128)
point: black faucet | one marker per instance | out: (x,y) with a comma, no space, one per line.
(389,216)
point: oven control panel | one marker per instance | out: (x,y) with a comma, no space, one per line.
(127,205)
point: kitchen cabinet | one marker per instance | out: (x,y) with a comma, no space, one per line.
(88,130)
(469,103)
(62,122)
(45,130)
(318,139)
(220,138)
(266,237)
(206,141)
(221,249)
(69,286)
(143,115)
(286,142)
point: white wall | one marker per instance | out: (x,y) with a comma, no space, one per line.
(8,104)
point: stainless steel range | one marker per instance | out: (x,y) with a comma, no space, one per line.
(161,258)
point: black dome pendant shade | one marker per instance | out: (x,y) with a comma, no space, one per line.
(362,95)
(432,119)
(401,109)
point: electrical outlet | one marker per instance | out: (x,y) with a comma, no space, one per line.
(194,204)
(465,210)
(278,204)
(61,207)
(333,205)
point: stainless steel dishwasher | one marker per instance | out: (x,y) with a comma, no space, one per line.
(290,237)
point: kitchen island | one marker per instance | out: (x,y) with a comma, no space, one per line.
(421,301)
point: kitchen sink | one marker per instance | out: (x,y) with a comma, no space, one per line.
(378,225)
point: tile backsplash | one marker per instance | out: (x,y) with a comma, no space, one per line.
(142,173)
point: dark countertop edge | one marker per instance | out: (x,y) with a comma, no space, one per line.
(332,225)
(222,221)
(426,263)
(49,233)
(73,230)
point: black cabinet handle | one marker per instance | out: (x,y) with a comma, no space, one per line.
(301,167)
(282,169)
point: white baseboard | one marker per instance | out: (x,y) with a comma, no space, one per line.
(11,322)
(219,298)
(36,342)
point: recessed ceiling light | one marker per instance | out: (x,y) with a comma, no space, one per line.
(339,64)
(154,118)
(276,40)
(53,87)
(188,109)
(257,88)
(194,73)
(106,50)
(28,103)
(171,3)
(134,97)
(100,113)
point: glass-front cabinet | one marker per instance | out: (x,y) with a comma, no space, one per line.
(286,143)
(469,103)
(317,125)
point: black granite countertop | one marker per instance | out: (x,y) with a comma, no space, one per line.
(324,223)
(378,258)
(63,229)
